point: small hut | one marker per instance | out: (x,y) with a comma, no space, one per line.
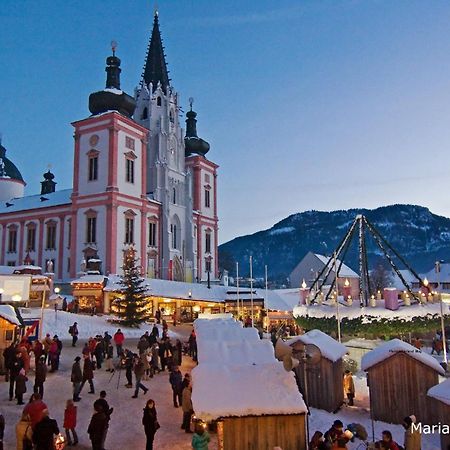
(256,406)
(9,330)
(440,396)
(324,380)
(399,376)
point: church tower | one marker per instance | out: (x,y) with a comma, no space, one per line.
(158,110)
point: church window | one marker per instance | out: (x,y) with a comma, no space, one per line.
(129,170)
(207,198)
(12,240)
(51,236)
(158,101)
(69,224)
(93,168)
(152,234)
(91,229)
(11,263)
(129,230)
(173,229)
(171,117)
(208,242)
(144,114)
(68,264)
(174,196)
(31,237)
(129,142)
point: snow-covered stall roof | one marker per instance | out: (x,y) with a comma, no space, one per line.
(394,346)
(223,331)
(8,313)
(441,392)
(244,390)
(97,279)
(56,198)
(274,300)
(174,289)
(7,270)
(235,352)
(329,347)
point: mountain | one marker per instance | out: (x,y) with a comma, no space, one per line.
(420,237)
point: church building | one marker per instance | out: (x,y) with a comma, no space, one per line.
(139,180)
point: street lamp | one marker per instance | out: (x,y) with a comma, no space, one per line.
(437,268)
(208,260)
(57,291)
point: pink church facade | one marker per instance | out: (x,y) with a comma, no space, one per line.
(110,208)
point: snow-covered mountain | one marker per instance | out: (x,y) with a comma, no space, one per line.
(420,236)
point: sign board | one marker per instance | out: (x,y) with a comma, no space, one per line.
(15,288)
(31,329)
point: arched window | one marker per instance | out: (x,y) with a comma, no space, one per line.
(175,229)
(158,101)
(174,236)
(144,114)
(174,196)
(171,116)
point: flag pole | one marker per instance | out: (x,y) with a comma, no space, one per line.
(337,298)
(237,290)
(251,289)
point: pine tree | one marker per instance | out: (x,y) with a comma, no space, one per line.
(131,308)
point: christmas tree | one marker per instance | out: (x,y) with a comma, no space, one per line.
(131,309)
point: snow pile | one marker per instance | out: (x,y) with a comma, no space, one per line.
(8,313)
(88,326)
(330,348)
(441,392)
(221,390)
(394,346)
(238,374)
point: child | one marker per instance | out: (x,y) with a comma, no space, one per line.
(70,422)
(200,438)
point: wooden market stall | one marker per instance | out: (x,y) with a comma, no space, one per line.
(324,379)
(399,377)
(88,293)
(253,399)
(9,330)
(440,396)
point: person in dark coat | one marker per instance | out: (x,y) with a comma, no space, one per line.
(73,330)
(76,378)
(97,427)
(15,368)
(106,409)
(21,386)
(98,352)
(179,348)
(41,375)
(176,381)
(150,422)
(335,436)
(44,432)
(139,371)
(9,356)
(128,362)
(88,375)
(59,346)
(193,345)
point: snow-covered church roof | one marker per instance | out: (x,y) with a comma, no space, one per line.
(394,346)
(330,348)
(441,392)
(37,201)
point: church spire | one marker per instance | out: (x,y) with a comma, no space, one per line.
(155,69)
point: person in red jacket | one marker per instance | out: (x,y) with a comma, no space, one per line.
(35,409)
(119,338)
(70,422)
(387,443)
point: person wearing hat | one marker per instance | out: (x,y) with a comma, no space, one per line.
(76,378)
(41,375)
(413,438)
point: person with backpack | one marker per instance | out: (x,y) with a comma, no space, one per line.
(73,331)
(24,433)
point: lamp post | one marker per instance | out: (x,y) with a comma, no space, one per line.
(57,291)
(437,268)
(208,269)
(42,308)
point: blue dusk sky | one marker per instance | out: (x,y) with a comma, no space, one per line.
(307,104)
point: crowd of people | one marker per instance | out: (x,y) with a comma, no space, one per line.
(338,437)
(155,353)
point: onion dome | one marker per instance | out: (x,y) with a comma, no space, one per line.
(7,168)
(192,143)
(112,98)
(48,185)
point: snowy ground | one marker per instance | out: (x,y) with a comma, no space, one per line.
(126,431)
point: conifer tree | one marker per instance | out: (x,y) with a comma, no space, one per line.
(131,308)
